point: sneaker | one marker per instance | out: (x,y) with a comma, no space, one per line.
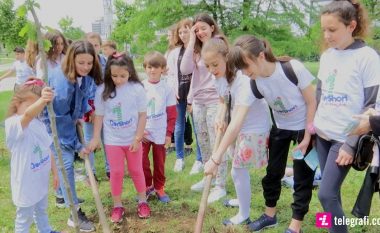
(162,196)
(117,214)
(198,187)
(143,210)
(187,151)
(149,192)
(78,175)
(60,202)
(263,222)
(170,150)
(84,224)
(227,222)
(196,168)
(179,165)
(215,194)
(231,203)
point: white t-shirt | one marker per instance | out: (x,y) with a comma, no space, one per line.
(121,113)
(30,161)
(344,75)
(23,71)
(285,98)
(258,118)
(159,96)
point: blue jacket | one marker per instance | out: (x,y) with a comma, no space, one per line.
(69,104)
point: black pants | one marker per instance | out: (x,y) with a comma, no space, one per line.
(333,176)
(279,143)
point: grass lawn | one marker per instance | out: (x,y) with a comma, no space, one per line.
(179,215)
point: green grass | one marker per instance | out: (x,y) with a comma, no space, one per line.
(179,215)
(312,67)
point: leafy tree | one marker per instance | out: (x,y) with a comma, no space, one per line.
(10,25)
(68,30)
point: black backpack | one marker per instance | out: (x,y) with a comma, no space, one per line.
(289,72)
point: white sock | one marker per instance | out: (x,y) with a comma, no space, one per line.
(242,183)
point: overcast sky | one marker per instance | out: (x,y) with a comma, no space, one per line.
(83,12)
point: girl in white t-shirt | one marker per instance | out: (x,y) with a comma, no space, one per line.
(348,82)
(120,108)
(293,106)
(249,126)
(28,141)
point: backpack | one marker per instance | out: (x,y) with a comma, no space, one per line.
(289,72)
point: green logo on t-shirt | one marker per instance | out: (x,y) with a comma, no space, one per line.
(117,111)
(37,150)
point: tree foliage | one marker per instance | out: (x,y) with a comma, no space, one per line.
(68,30)
(292,26)
(10,25)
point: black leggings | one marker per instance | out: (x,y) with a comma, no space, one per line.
(333,176)
(279,143)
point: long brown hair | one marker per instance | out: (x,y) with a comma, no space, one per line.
(68,63)
(118,59)
(53,37)
(205,18)
(248,46)
(22,93)
(219,44)
(347,11)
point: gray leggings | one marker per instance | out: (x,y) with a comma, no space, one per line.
(333,176)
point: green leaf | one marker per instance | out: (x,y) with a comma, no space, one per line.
(21,11)
(25,29)
(47,45)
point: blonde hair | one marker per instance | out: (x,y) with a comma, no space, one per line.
(22,93)
(110,44)
(31,52)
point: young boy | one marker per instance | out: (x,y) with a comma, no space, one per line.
(20,67)
(161,116)
(108,48)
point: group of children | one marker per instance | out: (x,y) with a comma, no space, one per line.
(271,102)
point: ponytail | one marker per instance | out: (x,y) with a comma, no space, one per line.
(348,10)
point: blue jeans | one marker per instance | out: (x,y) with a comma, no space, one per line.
(179,132)
(68,164)
(38,212)
(88,132)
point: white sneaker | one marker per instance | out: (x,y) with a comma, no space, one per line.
(179,165)
(215,194)
(198,187)
(78,175)
(197,167)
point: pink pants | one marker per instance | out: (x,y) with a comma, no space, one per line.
(116,156)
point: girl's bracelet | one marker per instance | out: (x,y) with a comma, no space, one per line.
(212,159)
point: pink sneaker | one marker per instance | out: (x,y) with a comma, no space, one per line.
(143,210)
(117,214)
